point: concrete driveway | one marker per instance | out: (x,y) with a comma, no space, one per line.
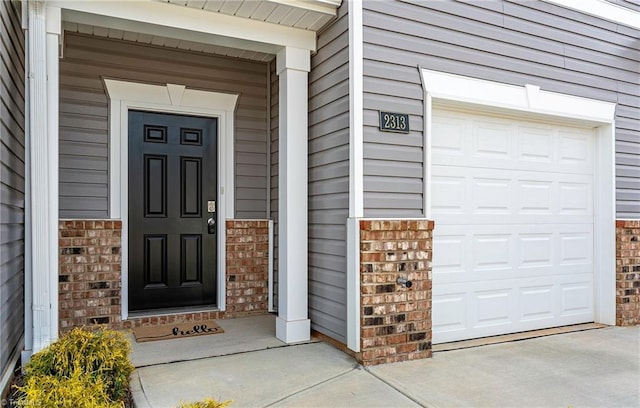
(593,368)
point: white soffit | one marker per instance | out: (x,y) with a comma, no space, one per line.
(306,14)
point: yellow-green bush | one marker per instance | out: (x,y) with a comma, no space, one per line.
(76,391)
(206,403)
(93,366)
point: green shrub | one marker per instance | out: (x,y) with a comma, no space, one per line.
(97,361)
(206,403)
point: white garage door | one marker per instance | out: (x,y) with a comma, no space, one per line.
(512,201)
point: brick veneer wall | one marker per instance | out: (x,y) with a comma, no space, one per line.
(247,267)
(627,272)
(395,320)
(90,273)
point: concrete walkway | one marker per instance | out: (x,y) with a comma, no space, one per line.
(593,368)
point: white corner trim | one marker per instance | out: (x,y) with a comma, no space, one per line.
(426,152)
(356,107)
(603,9)
(529,100)
(271,307)
(356,171)
(604,254)
(124,96)
(53,115)
(353,284)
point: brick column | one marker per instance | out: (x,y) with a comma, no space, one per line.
(627,272)
(90,273)
(247,274)
(395,320)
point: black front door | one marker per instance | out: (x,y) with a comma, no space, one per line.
(172,188)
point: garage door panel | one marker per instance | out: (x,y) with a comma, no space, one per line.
(451,312)
(451,248)
(491,140)
(575,150)
(461,138)
(479,192)
(576,298)
(492,253)
(505,250)
(574,197)
(451,194)
(536,144)
(535,197)
(491,195)
(513,245)
(576,248)
(517,305)
(538,302)
(493,307)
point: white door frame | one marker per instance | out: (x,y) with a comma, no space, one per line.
(530,101)
(171,98)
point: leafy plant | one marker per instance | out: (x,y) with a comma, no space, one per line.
(96,361)
(206,403)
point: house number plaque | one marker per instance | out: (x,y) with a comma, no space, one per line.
(394,122)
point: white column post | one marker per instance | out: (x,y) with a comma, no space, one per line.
(43,40)
(292,324)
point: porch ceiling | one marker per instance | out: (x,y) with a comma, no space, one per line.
(307,15)
(168,42)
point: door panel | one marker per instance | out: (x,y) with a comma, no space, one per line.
(172,175)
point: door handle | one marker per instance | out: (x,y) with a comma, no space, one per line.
(211,226)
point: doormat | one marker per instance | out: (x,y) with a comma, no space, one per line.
(176,330)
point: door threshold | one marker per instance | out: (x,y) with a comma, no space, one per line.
(505,338)
(171,311)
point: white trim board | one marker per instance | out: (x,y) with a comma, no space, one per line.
(603,9)
(443,89)
(171,98)
(356,171)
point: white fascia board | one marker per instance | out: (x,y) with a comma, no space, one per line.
(604,10)
(164,19)
(321,6)
(528,98)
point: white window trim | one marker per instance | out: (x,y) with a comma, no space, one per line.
(170,98)
(603,9)
(529,101)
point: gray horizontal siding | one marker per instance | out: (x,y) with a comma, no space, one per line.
(12,184)
(84,149)
(533,42)
(329,179)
